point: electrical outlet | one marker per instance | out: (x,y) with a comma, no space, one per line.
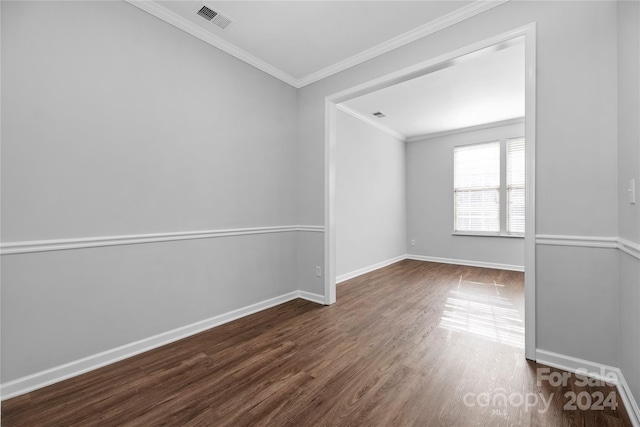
(413,242)
(318,271)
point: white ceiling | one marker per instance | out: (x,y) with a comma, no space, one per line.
(301,42)
(485,88)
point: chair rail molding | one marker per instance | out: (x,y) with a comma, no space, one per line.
(624,245)
(24,247)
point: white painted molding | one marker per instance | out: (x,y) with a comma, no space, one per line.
(629,247)
(467,129)
(309,296)
(483,264)
(60,373)
(633,410)
(372,122)
(310,228)
(624,245)
(11,248)
(581,241)
(436,25)
(187,26)
(465,12)
(595,370)
(530,111)
(359,272)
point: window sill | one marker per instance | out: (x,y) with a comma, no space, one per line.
(469,233)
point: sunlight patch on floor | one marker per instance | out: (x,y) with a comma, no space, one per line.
(487,315)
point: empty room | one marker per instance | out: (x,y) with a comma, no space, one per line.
(312,213)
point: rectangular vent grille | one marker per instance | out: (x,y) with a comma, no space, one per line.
(379,115)
(222,21)
(215,17)
(207,13)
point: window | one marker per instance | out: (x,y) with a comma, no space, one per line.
(480,182)
(515,186)
(477,187)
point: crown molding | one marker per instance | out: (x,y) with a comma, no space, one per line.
(372,122)
(184,24)
(465,12)
(508,122)
(436,25)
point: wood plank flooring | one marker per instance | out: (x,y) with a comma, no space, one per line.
(412,344)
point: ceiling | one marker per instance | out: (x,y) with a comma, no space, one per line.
(301,42)
(482,88)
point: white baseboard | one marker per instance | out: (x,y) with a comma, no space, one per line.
(368,269)
(72,369)
(468,263)
(594,370)
(317,298)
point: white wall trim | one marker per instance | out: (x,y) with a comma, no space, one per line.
(187,26)
(359,272)
(629,247)
(582,241)
(310,228)
(10,248)
(72,369)
(483,264)
(624,245)
(309,296)
(467,129)
(594,370)
(372,122)
(438,24)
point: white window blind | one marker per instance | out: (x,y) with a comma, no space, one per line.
(515,186)
(477,187)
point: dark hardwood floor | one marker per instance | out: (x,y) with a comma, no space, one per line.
(412,344)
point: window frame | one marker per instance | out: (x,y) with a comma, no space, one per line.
(487,188)
(502,200)
(507,187)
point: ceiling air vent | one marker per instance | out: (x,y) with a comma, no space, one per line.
(207,13)
(379,115)
(213,16)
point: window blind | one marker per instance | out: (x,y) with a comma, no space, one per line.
(477,187)
(515,186)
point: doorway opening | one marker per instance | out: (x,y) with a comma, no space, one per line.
(525,35)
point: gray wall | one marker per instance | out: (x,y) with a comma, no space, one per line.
(576,194)
(430,202)
(113,123)
(629,167)
(370,195)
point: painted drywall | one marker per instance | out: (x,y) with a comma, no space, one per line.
(628,118)
(629,334)
(61,306)
(629,168)
(127,125)
(576,158)
(580,287)
(309,256)
(430,202)
(370,195)
(115,123)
